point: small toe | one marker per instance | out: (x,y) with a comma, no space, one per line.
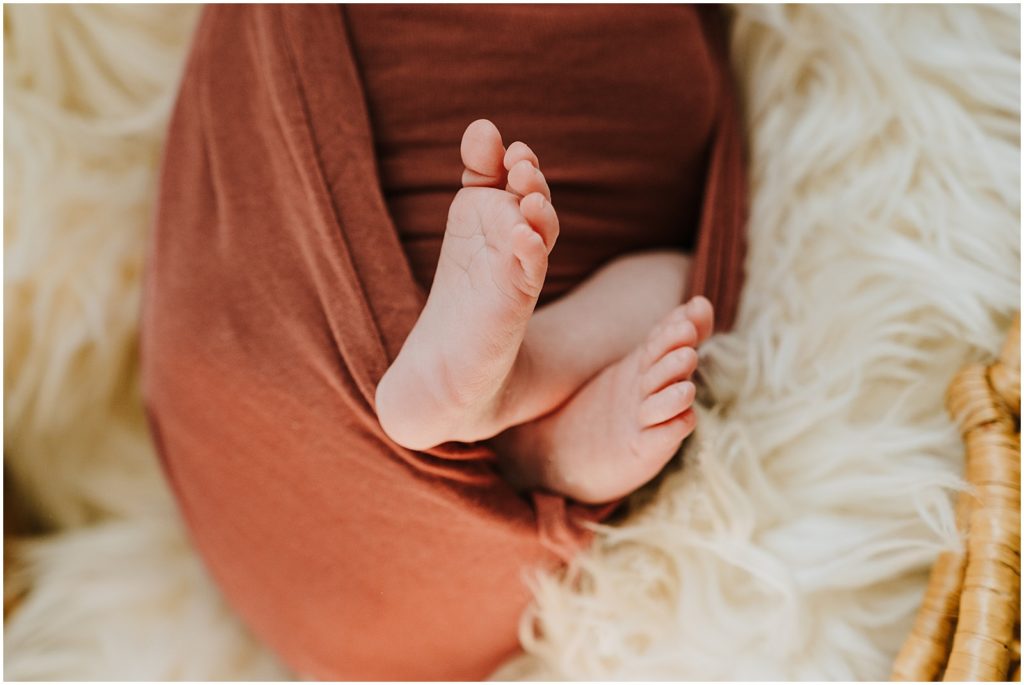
(517,152)
(532,255)
(677,365)
(542,216)
(667,403)
(665,438)
(525,178)
(483,155)
(672,333)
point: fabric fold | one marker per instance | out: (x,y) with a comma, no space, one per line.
(718,260)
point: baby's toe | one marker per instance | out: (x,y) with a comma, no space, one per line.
(677,365)
(542,216)
(532,257)
(517,152)
(702,314)
(667,403)
(672,333)
(483,155)
(525,178)
(665,438)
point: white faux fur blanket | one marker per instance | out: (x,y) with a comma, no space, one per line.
(794,541)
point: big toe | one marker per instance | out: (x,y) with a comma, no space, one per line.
(483,155)
(702,314)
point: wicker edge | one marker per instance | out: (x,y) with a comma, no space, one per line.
(968,626)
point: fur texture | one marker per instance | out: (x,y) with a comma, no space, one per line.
(793,538)
(116,592)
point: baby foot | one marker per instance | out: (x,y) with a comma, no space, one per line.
(623,426)
(460,373)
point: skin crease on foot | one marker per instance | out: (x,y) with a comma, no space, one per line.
(479,363)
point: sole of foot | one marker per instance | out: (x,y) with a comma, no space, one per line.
(461,374)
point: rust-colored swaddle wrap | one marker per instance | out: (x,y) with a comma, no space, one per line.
(277,294)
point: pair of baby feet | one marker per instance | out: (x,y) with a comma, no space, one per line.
(464,373)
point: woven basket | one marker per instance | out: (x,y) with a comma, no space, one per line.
(968,626)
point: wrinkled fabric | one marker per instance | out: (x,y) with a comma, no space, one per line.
(277,294)
(621,120)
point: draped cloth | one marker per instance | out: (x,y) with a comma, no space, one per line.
(277,294)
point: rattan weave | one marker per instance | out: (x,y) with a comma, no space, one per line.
(968,626)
